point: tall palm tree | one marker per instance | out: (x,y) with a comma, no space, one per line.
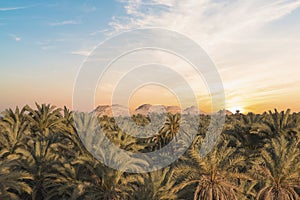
(279,170)
(51,128)
(215,177)
(37,160)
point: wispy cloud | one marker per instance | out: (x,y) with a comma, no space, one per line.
(14,8)
(240,36)
(206,18)
(16,38)
(99,31)
(50,44)
(62,23)
(81,52)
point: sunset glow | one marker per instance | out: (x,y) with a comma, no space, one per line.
(255,47)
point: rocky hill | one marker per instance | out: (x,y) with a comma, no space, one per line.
(114,110)
(193,110)
(144,109)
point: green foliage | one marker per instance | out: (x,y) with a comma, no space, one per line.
(44,154)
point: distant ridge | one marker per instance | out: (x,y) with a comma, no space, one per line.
(173,109)
(193,110)
(114,110)
(144,109)
(227,112)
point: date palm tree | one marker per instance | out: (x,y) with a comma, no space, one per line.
(245,132)
(45,145)
(63,181)
(171,126)
(13,180)
(279,170)
(37,160)
(15,128)
(215,176)
(46,119)
(156,185)
(278,123)
(70,139)
(125,141)
(100,182)
(167,132)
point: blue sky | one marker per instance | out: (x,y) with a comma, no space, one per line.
(57,27)
(255,45)
(39,44)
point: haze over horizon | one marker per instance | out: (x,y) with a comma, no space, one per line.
(254,45)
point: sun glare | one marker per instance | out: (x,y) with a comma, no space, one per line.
(233,109)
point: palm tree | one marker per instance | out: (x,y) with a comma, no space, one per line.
(140,119)
(125,141)
(48,125)
(215,176)
(103,146)
(156,185)
(107,123)
(100,182)
(279,170)
(13,180)
(248,190)
(15,128)
(37,160)
(70,137)
(278,123)
(167,132)
(245,132)
(46,119)
(63,181)
(171,126)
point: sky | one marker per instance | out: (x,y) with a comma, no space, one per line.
(255,46)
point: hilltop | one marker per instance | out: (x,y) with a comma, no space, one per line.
(145,109)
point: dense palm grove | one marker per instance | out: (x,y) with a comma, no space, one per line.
(42,157)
